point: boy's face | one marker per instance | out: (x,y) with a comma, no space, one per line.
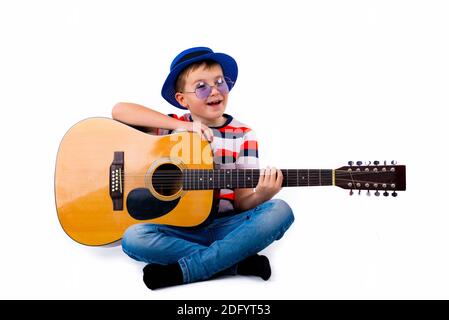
(210,109)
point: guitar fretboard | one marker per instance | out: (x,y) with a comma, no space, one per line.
(203,179)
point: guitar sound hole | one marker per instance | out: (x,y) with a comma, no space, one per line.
(167,179)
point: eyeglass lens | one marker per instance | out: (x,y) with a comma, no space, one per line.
(204,90)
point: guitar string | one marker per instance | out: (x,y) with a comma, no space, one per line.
(170,173)
(311,180)
(195,187)
(163,179)
(194,176)
(294,182)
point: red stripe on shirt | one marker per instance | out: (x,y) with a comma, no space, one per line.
(249,144)
(228,196)
(229,128)
(226,153)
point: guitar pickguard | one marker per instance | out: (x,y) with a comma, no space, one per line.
(142,205)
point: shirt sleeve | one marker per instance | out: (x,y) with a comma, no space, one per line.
(248,157)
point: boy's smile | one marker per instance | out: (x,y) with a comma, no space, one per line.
(209,84)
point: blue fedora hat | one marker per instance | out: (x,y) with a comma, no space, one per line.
(192,55)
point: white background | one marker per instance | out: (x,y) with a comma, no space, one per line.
(321,83)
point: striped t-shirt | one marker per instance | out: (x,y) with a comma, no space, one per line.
(234,147)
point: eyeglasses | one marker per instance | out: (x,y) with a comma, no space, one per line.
(203,89)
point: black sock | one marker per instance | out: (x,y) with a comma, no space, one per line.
(158,276)
(256,265)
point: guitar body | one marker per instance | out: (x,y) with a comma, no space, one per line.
(90,213)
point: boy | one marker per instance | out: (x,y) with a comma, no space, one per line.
(247,221)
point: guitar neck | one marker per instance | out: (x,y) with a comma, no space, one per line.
(204,179)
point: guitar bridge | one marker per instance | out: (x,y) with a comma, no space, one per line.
(116,180)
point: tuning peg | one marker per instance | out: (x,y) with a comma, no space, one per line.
(367,163)
(376,163)
(360,191)
(385,194)
(394,162)
(377,193)
(350,163)
(368,193)
(351,192)
(359,163)
(394,194)
(385,162)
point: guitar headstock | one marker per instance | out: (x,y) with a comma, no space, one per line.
(374,177)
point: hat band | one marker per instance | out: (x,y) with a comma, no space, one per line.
(191,56)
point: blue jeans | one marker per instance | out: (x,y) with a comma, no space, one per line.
(215,248)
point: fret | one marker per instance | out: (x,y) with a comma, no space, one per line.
(232,174)
(247,178)
(190,180)
(238,182)
(244,178)
(252,177)
(303,178)
(224,177)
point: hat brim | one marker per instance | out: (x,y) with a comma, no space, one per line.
(227,63)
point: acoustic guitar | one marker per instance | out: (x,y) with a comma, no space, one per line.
(110,176)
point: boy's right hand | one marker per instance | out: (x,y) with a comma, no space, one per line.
(200,128)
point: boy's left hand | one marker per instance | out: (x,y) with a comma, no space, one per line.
(270,183)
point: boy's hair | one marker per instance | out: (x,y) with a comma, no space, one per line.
(181,81)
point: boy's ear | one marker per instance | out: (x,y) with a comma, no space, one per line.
(180,98)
